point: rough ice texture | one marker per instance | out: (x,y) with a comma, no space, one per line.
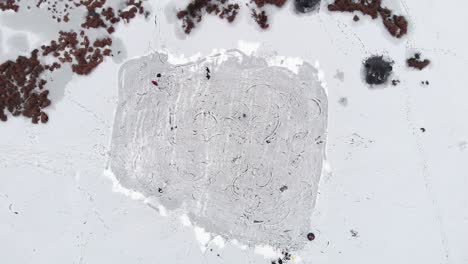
(241,151)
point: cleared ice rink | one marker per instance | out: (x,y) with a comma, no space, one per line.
(237,143)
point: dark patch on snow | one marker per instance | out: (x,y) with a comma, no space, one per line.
(306,6)
(377,69)
(208,76)
(284,259)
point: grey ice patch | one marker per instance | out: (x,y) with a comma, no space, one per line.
(339,75)
(224,148)
(343,101)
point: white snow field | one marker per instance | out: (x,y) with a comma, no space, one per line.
(400,190)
